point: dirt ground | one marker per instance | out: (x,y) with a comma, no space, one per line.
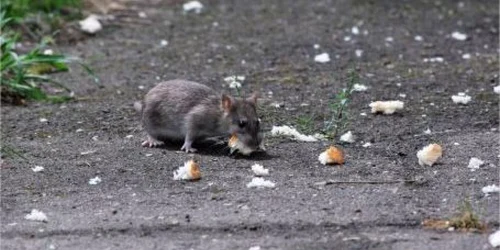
(139,206)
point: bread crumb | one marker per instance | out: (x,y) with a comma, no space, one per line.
(461,98)
(366,145)
(190,171)
(94,181)
(475,163)
(348,137)
(37,169)
(289,131)
(260,182)
(322,58)
(386,107)
(359,87)
(195,6)
(259,170)
(458,36)
(491,189)
(90,24)
(496,89)
(429,154)
(494,239)
(36,215)
(332,155)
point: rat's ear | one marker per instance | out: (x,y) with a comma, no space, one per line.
(253,98)
(226,102)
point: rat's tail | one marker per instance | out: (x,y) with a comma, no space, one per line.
(138,106)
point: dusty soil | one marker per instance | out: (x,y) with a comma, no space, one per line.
(139,206)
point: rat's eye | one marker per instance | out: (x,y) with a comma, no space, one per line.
(242,123)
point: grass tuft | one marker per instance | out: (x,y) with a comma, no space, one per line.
(466,220)
(338,108)
(24,76)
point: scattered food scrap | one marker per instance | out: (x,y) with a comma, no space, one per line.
(37,169)
(348,137)
(434,59)
(322,58)
(475,163)
(129,136)
(358,52)
(429,154)
(355,30)
(190,171)
(418,38)
(359,87)
(36,215)
(386,107)
(236,145)
(94,181)
(491,189)
(496,89)
(459,36)
(366,145)
(88,152)
(194,6)
(43,120)
(332,155)
(259,170)
(494,239)
(90,24)
(466,56)
(260,182)
(461,98)
(289,131)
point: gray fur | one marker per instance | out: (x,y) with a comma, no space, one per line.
(179,109)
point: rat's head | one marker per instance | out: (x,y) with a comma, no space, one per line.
(241,114)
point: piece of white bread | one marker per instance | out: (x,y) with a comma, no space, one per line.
(332,155)
(386,107)
(236,145)
(429,154)
(190,171)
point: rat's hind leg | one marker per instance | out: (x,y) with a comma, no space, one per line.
(151,142)
(187,144)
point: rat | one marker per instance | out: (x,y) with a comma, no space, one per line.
(184,110)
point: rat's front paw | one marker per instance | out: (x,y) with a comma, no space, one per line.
(151,142)
(187,147)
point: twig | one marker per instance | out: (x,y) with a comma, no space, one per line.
(332,182)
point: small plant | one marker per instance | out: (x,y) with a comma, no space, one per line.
(23,75)
(9,152)
(305,123)
(41,17)
(466,220)
(338,108)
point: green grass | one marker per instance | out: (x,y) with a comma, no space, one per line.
(467,219)
(39,18)
(10,152)
(306,123)
(24,76)
(339,115)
